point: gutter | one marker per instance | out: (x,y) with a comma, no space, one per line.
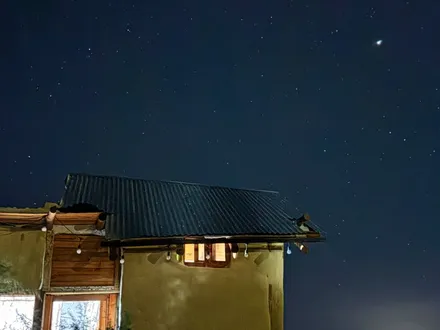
(121,277)
(42,266)
(302,238)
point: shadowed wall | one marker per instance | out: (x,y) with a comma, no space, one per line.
(168,295)
(21,255)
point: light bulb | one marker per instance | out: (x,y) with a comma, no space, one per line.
(44,228)
(208,256)
(122,260)
(288,251)
(234,250)
(246,254)
(168,256)
(78,251)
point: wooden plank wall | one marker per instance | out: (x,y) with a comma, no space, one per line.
(90,268)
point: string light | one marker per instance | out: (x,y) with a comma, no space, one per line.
(44,228)
(303,248)
(288,250)
(78,250)
(234,250)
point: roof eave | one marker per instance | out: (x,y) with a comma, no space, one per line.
(149,241)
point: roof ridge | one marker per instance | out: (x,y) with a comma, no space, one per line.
(169,181)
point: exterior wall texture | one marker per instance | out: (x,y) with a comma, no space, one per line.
(168,295)
(21,257)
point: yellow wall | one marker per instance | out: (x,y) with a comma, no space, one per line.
(171,296)
(21,252)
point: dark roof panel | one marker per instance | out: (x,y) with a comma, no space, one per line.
(143,208)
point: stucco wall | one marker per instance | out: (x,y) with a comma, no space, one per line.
(22,255)
(171,296)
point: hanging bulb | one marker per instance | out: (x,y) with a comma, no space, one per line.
(288,250)
(303,248)
(122,260)
(234,249)
(78,250)
(208,256)
(44,228)
(246,254)
(168,256)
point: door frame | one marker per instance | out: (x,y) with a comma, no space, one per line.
(107,311)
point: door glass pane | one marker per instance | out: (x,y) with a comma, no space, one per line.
(75,315)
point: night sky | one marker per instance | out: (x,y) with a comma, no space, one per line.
(294,96)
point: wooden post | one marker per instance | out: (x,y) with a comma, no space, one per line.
(48,260)
(38,310)
(47,312)
(112,309)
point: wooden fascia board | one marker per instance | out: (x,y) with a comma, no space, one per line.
(66,219)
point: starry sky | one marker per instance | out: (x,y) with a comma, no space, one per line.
(294,96)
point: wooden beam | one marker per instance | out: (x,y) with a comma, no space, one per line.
(306,237)
(38,310)
(113,301)
(65,219)
(80,297)
(103,313)
(48,253)
(47,312)
(100,221)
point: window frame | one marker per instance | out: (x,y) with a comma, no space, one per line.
(211,262)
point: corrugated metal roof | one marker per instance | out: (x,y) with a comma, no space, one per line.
(144,208)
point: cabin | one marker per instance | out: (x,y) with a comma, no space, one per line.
(142,254)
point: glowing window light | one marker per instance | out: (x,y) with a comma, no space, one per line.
(201,252)
(189,253)
(219,252)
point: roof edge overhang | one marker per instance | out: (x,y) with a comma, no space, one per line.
(44,218)
(66,219)
(139,242)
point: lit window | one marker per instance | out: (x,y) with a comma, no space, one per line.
(201,252)
(219,250)
(196,255)
(189,253)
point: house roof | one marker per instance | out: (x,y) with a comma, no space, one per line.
(162,209)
